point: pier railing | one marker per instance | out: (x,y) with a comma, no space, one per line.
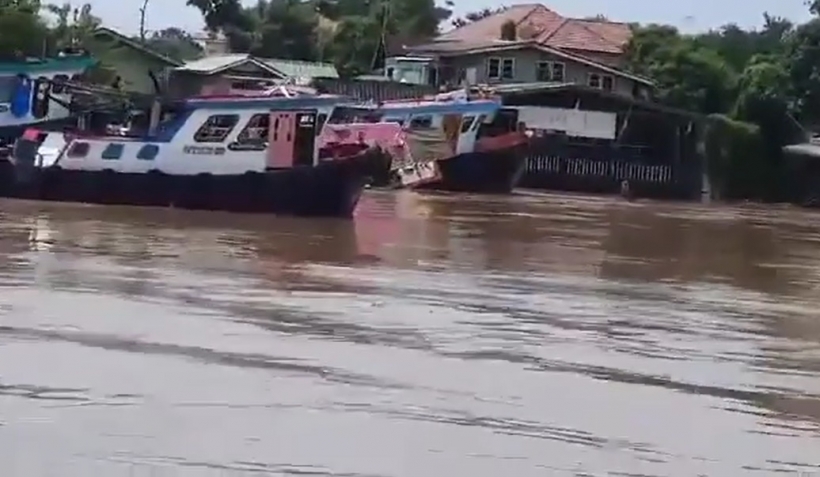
(603,169)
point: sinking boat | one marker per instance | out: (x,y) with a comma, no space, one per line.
(242,154)
(31,93)
(459,144)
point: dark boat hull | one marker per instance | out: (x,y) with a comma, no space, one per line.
(497,171)
(330,189)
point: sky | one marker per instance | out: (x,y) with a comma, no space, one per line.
(688,15)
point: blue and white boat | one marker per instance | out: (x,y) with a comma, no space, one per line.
(460,144)
(231,153)
(30,93)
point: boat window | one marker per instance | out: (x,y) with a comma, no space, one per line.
(113,151)
(148,152)
(479,121)
(466,123)
(78,150)
(320,122)
(421,122)
(58,87)
(348,115)
(8,85)
(505,121)
(216,128)
(256,131)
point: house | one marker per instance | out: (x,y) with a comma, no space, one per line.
(127,58)
(223,74)
(524,44)
(212,43)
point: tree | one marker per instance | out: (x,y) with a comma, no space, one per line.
(803,65)
(174,43)
(22,31)
(73,24)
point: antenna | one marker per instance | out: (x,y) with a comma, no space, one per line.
(383,37)
(143,12)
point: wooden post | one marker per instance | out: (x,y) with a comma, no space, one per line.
(156,111)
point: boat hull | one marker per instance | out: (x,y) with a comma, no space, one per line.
(330,189)
(496,171)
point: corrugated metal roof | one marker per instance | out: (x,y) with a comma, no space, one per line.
(287,68)
(301,69)
(212,64)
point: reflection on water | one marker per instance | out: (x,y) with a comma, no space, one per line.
(530,335)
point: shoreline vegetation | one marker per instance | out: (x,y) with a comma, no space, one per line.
(755,86)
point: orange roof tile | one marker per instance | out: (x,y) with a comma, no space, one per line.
(584,36)
(535,21)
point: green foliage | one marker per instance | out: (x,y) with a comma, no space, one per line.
(734,157)
(754,83)
(351,33)
(174,43)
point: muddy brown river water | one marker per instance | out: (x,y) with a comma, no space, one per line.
(435,336)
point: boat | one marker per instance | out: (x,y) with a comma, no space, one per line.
(31,93)
(263,153)
(460,144)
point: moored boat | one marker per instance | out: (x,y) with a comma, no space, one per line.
(243,154)
(453,142)
(460,144)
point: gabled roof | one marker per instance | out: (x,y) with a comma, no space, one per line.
(212,65)
(546,27)
(136,45)
(444,49)
(302,69)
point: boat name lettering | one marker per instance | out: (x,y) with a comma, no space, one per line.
(204,150)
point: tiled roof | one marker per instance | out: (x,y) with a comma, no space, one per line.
(537,16)
(548,28)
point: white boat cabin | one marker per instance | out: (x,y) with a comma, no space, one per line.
(207,136)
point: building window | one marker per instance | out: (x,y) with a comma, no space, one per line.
(550,71)
(594,80)
(494,68)
(500,68)
(604,82)
(432,76)
(558,70)
(216,128)
(507,68)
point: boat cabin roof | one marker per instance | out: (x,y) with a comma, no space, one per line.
(440,107)
(277,103)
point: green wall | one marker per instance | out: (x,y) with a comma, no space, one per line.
(131,64)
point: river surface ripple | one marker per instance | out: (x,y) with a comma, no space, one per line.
(531,335)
